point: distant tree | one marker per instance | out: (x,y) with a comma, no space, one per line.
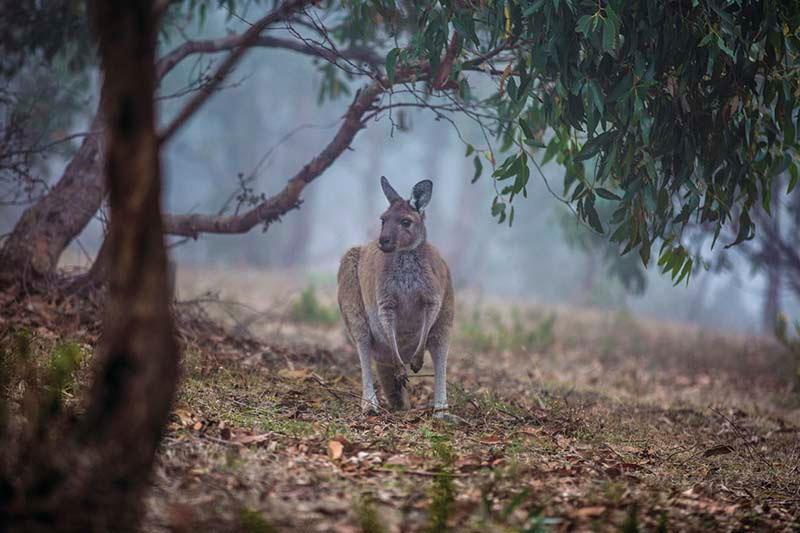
(602,257)
(687,108)
(774,251)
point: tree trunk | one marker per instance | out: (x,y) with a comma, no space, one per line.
(46,228)
(93,475)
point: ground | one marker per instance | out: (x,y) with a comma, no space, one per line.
(573,420)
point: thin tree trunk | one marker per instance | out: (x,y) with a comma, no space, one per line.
(46,228)
(92,477)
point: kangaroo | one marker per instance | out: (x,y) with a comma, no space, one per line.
(396,298)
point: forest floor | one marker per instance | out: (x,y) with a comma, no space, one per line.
(574,420)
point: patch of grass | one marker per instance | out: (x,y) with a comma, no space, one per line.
(613,491)
(253,522)
(42,371)
(486,332)
(367,515)
(310,310)
(631,523)
(442,491)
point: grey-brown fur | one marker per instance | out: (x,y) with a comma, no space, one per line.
(396,298)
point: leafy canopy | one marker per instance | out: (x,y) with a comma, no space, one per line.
(678,112)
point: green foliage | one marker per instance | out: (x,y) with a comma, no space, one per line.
(37,32)
(487,332)
(253,522)
(309,309)
(442,490)
(624,268)
(36,377)
(368,519)
(60,374)
(631,523)
(685,111)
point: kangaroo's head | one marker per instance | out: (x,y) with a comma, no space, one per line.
(403,223)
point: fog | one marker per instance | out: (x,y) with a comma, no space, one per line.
(267,123)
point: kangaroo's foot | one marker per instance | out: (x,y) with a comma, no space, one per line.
(449,418)
(370,406)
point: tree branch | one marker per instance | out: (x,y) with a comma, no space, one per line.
(246,39)
(287,199)
(232,42)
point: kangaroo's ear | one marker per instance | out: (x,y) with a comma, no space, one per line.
(390,193)
(421,194)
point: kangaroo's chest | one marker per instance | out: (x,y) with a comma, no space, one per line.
(407,284)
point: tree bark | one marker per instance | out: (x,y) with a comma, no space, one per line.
(47,227)
(93,475)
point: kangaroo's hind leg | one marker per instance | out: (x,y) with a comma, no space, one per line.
(355,318)
(439,346)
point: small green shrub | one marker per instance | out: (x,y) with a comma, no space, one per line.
(44,375)
(490,333)
(252,522)
(310,310)
(367,515)
(442,491)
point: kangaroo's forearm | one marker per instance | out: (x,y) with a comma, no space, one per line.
(388,319)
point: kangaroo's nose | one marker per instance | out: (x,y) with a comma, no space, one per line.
(384,241)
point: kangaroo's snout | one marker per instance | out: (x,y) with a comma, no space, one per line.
(385,244)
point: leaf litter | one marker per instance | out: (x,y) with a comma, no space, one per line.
(562,438)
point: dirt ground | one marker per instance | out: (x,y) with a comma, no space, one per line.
(574,420)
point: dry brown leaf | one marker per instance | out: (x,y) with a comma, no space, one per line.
(722,449)
(468,462)
(335,449)
(251,439)
(404,460)
(590,512)
(297,374)
(186,418)
(491,439)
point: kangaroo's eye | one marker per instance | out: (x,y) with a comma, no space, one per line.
(382,221)
(406,222)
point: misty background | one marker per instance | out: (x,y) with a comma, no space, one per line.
(267,123)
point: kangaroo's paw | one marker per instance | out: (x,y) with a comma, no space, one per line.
(449,418)
(417,361)
(401,375)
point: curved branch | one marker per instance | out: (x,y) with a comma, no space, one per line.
(287,199)
(284,10)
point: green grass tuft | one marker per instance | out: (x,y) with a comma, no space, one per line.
(368,519)
(252,522)
(310,310)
